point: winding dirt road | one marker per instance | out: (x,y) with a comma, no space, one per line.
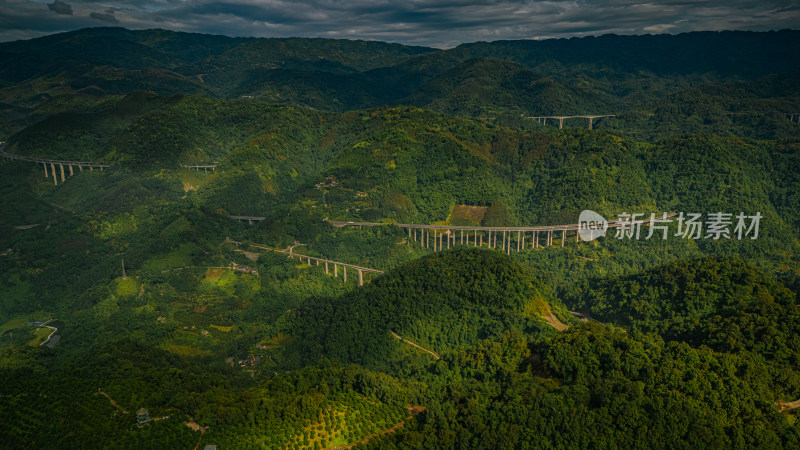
(435,355)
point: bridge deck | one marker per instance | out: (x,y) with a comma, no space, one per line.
(50,161)
(588,116)
(568,227)
(322,260)
(248,218)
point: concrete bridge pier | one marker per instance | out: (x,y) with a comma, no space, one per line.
(344,274)
(326,267)
(80,168)
(63,178)
(590,122)
(335,271)
(70,171)
(360,277)
(560,123)
(563,237)
(519,240)
(91,168)
(481,244)
(45,169)
(549,238)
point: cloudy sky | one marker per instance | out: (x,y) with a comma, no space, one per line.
(438,23)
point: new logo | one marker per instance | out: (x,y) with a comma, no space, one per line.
(591,225)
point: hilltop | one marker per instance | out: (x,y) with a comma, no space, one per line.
(443,302)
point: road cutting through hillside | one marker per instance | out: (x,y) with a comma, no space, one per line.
(435,355)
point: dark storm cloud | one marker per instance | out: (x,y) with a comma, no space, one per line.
(60,7)
(441,23)
(104,17)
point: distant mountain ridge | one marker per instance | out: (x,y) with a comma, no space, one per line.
(602,74)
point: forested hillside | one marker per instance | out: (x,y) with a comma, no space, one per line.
(728,82)
(170,280)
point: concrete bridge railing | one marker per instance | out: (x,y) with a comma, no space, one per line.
(248,219)
(437,237)
(204,167)
(589,117)
(327,263)
(44,162)
(76,166)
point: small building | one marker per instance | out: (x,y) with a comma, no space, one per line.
(142,417)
